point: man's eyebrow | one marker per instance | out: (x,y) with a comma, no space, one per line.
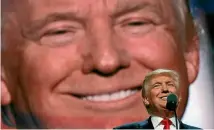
(169,82)
(40,23)
(124,7)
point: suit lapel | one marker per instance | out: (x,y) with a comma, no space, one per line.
(147,124)
(182,126)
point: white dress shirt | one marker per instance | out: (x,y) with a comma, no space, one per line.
(156,122)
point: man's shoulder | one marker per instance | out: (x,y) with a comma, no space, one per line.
(133,125)
(185,126)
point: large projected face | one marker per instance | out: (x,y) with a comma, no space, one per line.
(80,63)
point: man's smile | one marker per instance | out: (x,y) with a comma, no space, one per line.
(164,98)
(115,100)
(113,96)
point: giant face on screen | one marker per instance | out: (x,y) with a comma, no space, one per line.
(80,63)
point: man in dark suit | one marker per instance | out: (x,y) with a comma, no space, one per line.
(156,87)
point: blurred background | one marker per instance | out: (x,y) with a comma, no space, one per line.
(200,108)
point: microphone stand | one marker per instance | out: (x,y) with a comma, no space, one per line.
(176,119)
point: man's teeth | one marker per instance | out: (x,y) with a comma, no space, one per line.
(164,98)
(111,97)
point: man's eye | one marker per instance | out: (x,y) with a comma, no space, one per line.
(136,23)
(136,27)
(58,37)
(57,32)
(171,85)
(157,85)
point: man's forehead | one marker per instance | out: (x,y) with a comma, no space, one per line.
(161,77)
(83,9)
(115,5)
(121,4)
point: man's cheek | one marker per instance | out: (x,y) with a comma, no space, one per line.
(41,70)
(155,50)
(174,90)
(46,65)
(154,56)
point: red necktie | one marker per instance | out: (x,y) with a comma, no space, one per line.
(166,123)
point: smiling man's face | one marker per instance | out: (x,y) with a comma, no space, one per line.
(158,89)
(79,63)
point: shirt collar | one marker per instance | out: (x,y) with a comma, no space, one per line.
(172,119)
(157,120)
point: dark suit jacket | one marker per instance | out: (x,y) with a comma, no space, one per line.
(147,124)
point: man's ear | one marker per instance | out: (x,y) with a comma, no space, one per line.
(192,58)
(145,101)
(179,100)
(5,95)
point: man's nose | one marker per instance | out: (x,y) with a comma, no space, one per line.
(105,56)
(106,59)
(165,88)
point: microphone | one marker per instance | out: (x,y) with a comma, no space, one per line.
(172,102)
